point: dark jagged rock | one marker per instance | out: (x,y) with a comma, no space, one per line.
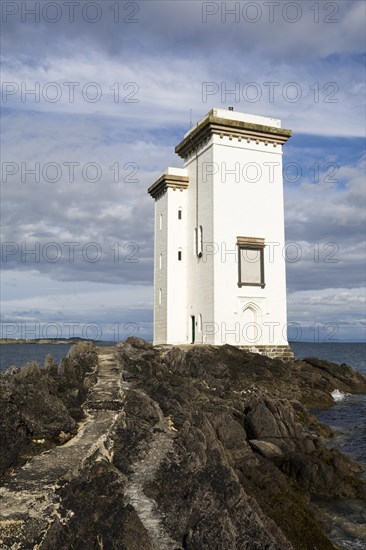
(240,419)
(39,407)
(196,448)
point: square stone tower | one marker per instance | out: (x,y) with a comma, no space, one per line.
(219,266)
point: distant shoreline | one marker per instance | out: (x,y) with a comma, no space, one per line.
(52,341)
(98,342)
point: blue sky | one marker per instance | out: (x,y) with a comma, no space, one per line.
(112,99)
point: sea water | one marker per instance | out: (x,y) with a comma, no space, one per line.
(346,518)
(348,416)
(19,354)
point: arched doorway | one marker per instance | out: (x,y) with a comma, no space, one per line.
(251,325)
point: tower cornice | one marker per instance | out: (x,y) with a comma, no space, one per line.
(167,180)
(214,125)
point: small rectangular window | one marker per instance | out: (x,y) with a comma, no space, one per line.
(251,262)
(179,214)
(161,221)
(160,296)
(179,255)
(160,260)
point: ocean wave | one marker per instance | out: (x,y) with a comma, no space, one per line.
(338,395)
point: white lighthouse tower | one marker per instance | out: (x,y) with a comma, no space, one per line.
(219,268)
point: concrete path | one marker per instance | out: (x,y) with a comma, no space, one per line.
(28,498)
(144,470)
(29,502)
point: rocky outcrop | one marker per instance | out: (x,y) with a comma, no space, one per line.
(41,407)
(33,511)
(242,428)
(186,448)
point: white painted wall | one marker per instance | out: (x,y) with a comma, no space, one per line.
(229,205)
(200,273)
(160,275)
(176,269)
(248,202)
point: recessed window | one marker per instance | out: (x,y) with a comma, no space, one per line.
(161,221)
(179,213)
(198,237)
(160,296)
(160,260)
(251,261)
(179,255)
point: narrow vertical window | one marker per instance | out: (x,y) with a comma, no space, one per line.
(160,295)
(200,242)
(161,221)
(179,213)
(160,260)
(179,255)
(193,325)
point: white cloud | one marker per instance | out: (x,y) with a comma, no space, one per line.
(332,314)
(316,98)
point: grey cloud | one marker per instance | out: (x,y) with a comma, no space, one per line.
(178,27)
